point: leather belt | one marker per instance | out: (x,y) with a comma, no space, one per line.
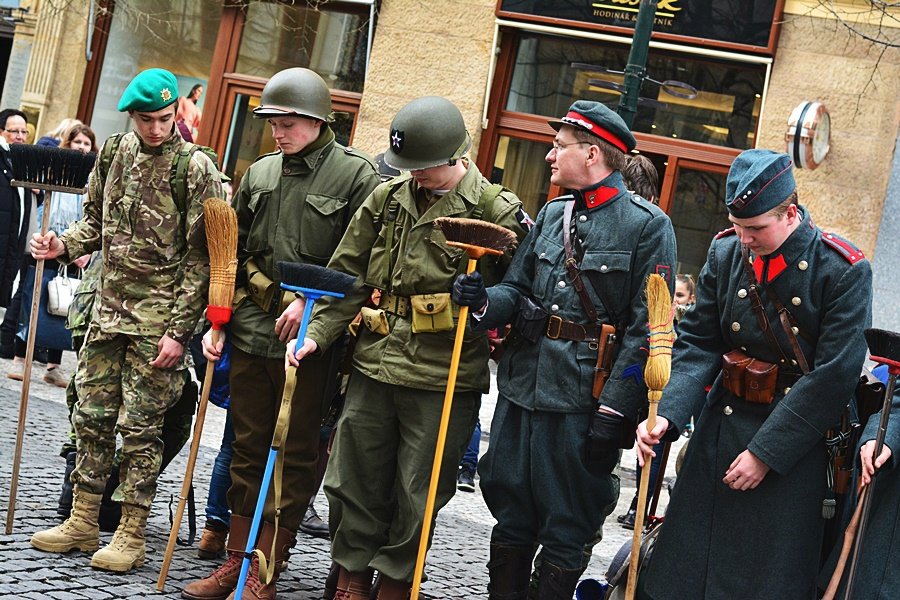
(396,305)
(557,328)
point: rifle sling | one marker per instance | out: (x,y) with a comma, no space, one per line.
(572,269)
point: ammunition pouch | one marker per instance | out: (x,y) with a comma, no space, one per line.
(530,320)
(431,312)
(260,288)
(375,320)
(752,379)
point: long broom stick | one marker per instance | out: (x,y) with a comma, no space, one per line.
(477,238)
(221,240)
(656,376)
(48,169)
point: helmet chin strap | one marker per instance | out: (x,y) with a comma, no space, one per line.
(461,150)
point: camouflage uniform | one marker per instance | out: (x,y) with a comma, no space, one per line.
(153,282)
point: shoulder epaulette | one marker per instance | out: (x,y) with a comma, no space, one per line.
(262,156)
(562,198)
(851,253)
(725,233)
(351,151)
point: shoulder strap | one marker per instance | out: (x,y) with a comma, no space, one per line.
(572,265)
(389,209)
(110,148)
(484,210)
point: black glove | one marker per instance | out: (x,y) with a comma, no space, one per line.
(606,435)
(468,290)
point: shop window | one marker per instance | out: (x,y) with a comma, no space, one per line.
(520,165)
(331,39)
(699,213)
(179,35)
(549,73)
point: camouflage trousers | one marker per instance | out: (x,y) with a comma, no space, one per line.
(114,375)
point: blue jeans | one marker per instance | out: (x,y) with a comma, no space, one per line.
(217,502)
(470,458)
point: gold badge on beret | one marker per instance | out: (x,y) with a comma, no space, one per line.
(165,94)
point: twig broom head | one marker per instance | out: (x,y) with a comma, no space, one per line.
(662,336)
(313,280)
(50,169)
(221,226)
(884,346)
(476,237)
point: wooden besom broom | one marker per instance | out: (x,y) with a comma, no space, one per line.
(51,170)
(656,376)
(221,239)
(477,238)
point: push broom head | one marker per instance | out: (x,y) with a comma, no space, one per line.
(884,347)
(50,169)
(476,237)
(221,226)
(662,336)
(314,280)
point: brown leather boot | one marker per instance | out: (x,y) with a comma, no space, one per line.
(255,588)
(221,582)
(391,589)
(353,586)
(212,541)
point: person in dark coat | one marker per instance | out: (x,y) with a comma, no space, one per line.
(542,477)
(14,210)
(745,518)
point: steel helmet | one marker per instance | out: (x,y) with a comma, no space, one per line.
(427,132)
(295,92)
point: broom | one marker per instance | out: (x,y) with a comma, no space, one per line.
(477,238)
(313,282)
(52,170)
(884,348)
(221,225)
(656,376)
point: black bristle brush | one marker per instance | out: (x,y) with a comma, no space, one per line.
(50,169)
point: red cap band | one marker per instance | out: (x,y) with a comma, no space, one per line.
(579,120)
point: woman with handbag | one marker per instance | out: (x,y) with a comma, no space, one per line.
(65,208)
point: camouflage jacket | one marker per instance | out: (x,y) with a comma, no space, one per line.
(155,272)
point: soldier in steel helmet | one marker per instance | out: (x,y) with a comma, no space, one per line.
(379,471)
(574,290)
(151,295)
(292,205)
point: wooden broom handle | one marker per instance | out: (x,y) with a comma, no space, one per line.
(631,584)
(849,537)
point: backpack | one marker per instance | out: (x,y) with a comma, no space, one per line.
(177,175)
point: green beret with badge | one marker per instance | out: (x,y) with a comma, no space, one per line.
(149,91)
(758,181)
(600,120)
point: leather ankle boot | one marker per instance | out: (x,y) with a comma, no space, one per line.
(331,581)
(221,582)
(65,493)
(557,583)
(509,569)
(353,586)
(391,589)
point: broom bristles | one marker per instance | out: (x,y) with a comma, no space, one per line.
(884,346)
(221,240)
(51,169)
(314,277)
(473,232)
(662,336)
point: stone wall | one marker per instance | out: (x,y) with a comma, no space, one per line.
(818,60)
(426,48)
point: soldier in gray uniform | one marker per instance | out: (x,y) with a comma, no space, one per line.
(778,331)
(545,478)
(151,295)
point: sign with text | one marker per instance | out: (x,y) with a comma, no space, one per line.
(743,22)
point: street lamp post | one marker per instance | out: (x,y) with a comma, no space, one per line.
(636,70)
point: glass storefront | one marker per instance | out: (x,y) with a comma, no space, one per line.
(520,166)
(179,35)
(697,214)
(551,72)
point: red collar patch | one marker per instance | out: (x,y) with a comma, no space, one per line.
(777,265)
(599,196)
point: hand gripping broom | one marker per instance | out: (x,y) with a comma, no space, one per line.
(884,347)
(477,238)
(221,226)
(656,376)
(313,282)
(51,170)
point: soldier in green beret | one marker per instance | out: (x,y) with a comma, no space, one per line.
(555,439)
(379,471)
(150,297)
(777,330)
(292,205)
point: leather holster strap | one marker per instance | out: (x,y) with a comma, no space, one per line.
(557,328)
(396,305)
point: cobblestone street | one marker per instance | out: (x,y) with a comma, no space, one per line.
(455,566)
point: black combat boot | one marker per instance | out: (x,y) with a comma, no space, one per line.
(509,569)
(110,510)
(65,494)
(557,583)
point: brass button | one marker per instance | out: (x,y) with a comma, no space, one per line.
(582,218)
(796,301)
(786,390)
(604,268)
(793,362)
(561,284)
(802,265)
(735,326)
(554,308)
(742,293)
(727,410)
(744,348)
(796,330)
